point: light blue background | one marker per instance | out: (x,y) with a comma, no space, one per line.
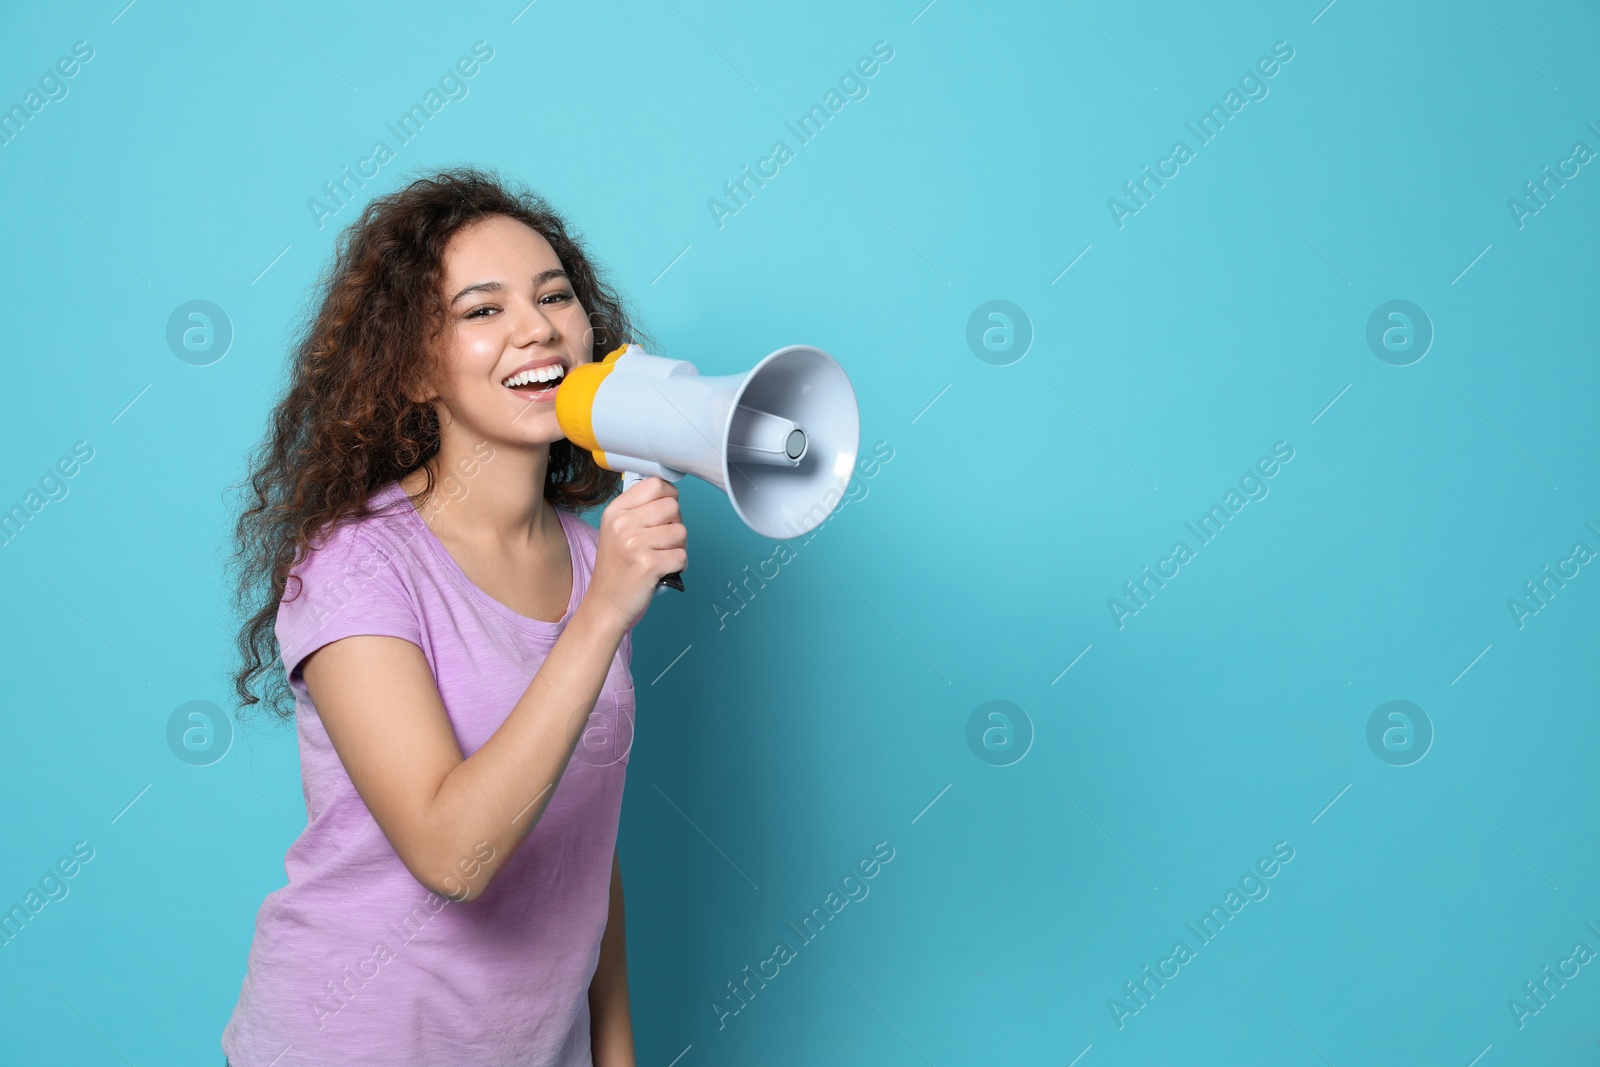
(1227,315)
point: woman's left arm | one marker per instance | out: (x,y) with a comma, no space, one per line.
(610,1024)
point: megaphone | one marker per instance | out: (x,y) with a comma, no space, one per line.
(780,440)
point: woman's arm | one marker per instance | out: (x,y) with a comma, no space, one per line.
(610,1023)
(454,821)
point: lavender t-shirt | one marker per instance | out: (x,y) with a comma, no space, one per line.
(354,961)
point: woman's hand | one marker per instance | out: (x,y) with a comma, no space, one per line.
(642,539)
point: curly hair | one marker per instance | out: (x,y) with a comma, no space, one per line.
(346,426)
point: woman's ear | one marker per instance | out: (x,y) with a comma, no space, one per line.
(419,389)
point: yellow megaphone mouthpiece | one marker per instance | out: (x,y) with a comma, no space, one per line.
(575,402)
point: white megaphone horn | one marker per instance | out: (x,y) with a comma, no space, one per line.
(780,440)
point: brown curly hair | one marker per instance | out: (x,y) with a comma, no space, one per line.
(345,428)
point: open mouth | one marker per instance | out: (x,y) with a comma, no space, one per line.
(540,382)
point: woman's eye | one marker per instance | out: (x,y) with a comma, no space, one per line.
(480,312)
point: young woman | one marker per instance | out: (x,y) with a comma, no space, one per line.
(456,644)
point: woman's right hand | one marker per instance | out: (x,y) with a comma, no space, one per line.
(642,539)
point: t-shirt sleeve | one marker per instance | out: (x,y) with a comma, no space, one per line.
(349,585)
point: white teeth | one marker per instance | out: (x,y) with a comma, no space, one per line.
(539,374)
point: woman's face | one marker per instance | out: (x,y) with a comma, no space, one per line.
(513,327)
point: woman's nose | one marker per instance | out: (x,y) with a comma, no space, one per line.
(533,325)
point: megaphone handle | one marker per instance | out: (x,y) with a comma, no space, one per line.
(668,581)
